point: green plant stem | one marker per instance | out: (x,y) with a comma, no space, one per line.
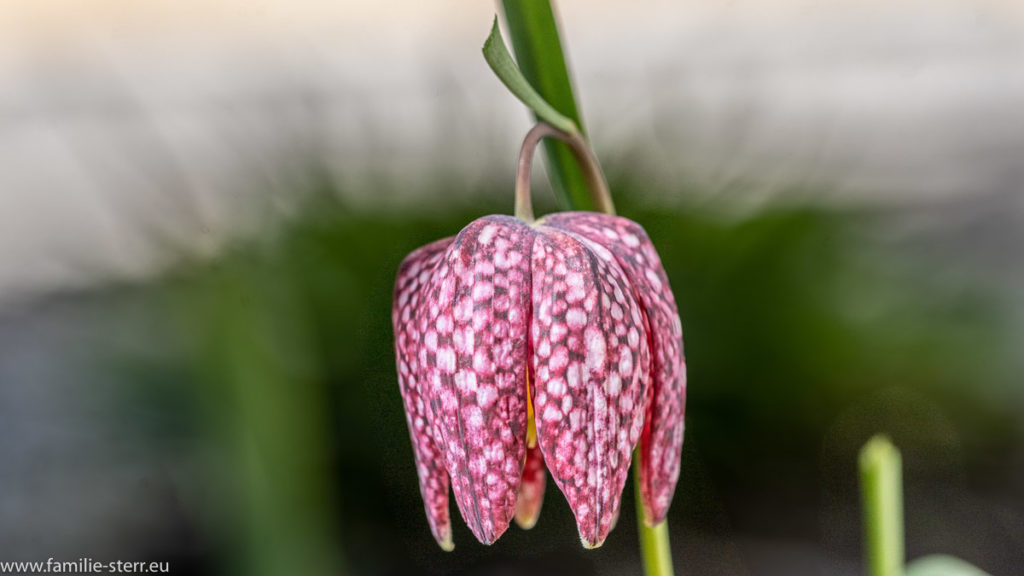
(654,543)
(533,31)
(881,480)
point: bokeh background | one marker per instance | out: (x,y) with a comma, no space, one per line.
(202,207)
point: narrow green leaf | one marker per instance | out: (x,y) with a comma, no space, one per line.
(505,68)
(535,39)
(942,565)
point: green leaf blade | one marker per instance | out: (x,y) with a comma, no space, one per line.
(533,31)
(501,62)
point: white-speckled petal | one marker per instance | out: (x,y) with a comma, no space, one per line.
(661,445)
(414,274)
(473,354)
(590,366)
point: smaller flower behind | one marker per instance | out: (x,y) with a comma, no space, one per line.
(519,345)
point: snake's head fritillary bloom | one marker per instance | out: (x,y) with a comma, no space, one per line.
(525,349)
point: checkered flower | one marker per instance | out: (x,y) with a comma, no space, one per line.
(525,349)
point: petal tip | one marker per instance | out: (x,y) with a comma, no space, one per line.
(589,545)
(526,520)
(486,536)
(447,545)
(531,490)
(653,521)
(488,541)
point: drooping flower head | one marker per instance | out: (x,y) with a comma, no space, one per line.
(523,347)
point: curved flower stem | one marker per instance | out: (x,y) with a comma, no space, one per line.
(595,180)
(524,204)
(654,543)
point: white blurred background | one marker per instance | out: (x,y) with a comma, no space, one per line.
(121,118)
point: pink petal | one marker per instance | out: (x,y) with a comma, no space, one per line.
(414,272)
(661,446)
(589,363)
(473,348)
(531,490)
